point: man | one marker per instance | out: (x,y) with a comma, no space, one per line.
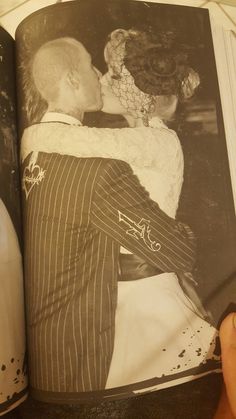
(77,214)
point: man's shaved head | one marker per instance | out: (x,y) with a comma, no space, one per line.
(52,61)
(61,72)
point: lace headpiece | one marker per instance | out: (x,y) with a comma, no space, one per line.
(144,66)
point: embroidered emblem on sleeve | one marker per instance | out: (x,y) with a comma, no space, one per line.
(140,231)
(32,175)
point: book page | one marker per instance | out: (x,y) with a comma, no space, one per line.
(123,141)
(13,379)
(13,12)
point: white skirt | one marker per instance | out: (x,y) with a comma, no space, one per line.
(13,380)
(158,334)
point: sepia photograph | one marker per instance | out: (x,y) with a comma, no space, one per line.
(129,218)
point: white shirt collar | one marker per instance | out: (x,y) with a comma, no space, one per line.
(60,117)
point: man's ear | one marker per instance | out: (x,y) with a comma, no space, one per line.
(72,79)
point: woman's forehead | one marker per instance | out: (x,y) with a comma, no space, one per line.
(114,53)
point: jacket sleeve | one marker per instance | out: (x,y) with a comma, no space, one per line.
(123,210)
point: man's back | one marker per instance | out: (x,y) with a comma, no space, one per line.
(70,298)
(78,212)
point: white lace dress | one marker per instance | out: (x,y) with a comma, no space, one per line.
(158,331)
(13,380)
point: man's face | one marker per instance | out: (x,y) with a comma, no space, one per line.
(89,86)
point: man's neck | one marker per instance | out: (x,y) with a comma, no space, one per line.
(52,116)
(79,115)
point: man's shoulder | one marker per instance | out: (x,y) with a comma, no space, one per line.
(109,166)
(100,165)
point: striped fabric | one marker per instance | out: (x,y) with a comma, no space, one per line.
(75,220)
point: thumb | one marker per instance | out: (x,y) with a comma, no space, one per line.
(228,351)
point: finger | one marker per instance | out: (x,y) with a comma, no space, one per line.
(224,410)
(228,350)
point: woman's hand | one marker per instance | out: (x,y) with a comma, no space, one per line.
(227,404)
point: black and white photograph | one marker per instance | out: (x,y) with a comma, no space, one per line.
(129,217)
(13,378)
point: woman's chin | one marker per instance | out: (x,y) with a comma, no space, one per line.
(112,109)
(111,103)
(107,109)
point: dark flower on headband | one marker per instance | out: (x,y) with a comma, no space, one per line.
(157,67)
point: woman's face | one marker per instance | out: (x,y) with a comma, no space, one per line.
(111,103)
(119,93)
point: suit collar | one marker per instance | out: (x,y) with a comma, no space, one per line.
(60,117)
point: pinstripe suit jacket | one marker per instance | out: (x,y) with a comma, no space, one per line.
(77,214)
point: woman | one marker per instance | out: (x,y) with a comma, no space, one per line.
(159,330)
(13,380)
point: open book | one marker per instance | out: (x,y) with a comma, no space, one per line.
(111,116)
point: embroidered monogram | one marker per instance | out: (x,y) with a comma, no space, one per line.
(32,175)
(140,230)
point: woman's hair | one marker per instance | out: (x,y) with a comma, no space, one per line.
(157,65)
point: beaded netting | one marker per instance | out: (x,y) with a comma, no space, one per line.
(144,66)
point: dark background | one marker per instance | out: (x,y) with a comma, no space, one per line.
(9,171)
